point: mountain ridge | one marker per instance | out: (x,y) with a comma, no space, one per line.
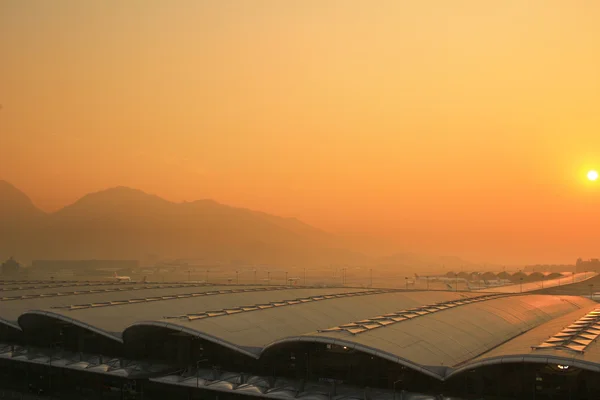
(123,222)
(15,202)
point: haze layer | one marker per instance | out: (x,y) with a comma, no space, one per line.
(462,127)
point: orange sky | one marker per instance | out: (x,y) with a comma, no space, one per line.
(459,127)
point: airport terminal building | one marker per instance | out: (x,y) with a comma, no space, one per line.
(197,341)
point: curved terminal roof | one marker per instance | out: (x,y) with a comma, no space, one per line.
(571,344)
(30,288)
(439,333)
(251,332)
(15,302)
(111,315)
(457,335)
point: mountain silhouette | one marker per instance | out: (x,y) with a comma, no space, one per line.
(15,205)
(18,218)
(128,223)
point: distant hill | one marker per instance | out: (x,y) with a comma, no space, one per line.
(128,223)
(18,218)
(15,206)
(125,223)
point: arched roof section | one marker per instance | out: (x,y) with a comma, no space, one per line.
(474,276)
(504,275)
(9,325)
(435,372)
(113,314)
(518,276)
(37,319)
(488,276)
(464,275)
(436,344)
(536,276)
(144,328)
(249,332)
(147,327)
(524,358)
(10,331)
(533,347)
(460,330)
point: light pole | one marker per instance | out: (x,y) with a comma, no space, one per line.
(521,284)
(304,276)
(206,280)
(237,277)
(406,282)
(189,275)
(371,277)
(286,278)
(50,375)
(268,277)
(456,276)
(254,276)
(401,393)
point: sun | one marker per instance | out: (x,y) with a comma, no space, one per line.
(592,175)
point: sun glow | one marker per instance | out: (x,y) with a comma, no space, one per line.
(592,175)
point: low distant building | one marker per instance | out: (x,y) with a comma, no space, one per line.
(592,265)
(550,268)
(79,266)
(10,267)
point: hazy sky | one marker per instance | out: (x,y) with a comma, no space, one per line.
(460,127)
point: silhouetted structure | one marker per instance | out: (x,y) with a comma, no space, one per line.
(79,266)
(10,267)
(589,265)
(549,268)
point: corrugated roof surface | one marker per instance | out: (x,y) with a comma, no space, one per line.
(49,290)
(11,310)
(256,330)
(115,319)
(442,339)
(459,334)
(385,320)
(50,287)
(436,332)
(520,348)
(524,287)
